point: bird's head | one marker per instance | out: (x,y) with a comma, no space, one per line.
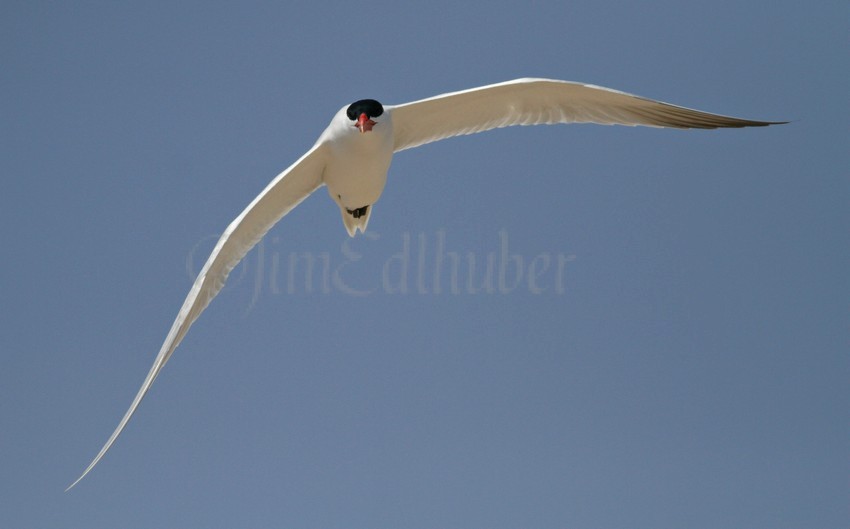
(362,112)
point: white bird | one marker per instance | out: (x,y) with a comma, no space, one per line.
(353,154)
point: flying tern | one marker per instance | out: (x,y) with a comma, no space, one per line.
(352,156)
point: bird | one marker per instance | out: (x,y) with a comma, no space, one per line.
(352,156)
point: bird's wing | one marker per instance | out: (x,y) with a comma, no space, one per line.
(539,102)
(285,192)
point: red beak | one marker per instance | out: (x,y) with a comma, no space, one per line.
(364,123)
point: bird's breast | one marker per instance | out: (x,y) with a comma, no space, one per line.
(356,171)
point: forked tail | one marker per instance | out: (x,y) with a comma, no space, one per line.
(355,219)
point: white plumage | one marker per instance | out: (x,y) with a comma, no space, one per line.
(353,155)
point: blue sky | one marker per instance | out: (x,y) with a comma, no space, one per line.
(672,353)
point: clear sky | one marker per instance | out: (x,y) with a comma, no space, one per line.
(661,341)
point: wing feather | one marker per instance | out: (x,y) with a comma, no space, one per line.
(285,192)
(539,102)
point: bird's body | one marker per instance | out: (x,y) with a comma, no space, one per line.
(356,168)
(353,154)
